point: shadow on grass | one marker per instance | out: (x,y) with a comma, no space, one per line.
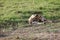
(3,35)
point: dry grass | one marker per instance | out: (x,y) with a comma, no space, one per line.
(40,32)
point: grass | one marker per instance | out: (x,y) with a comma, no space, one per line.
(18,10)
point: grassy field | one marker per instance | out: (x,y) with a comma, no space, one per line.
(17,10)
(15,13)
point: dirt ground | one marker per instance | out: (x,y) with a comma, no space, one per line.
(36,32)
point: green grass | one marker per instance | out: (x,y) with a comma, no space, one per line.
(10,9)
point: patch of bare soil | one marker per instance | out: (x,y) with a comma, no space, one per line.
(41,32)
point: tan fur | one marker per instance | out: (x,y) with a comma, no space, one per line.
(37,18)
(30,20)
